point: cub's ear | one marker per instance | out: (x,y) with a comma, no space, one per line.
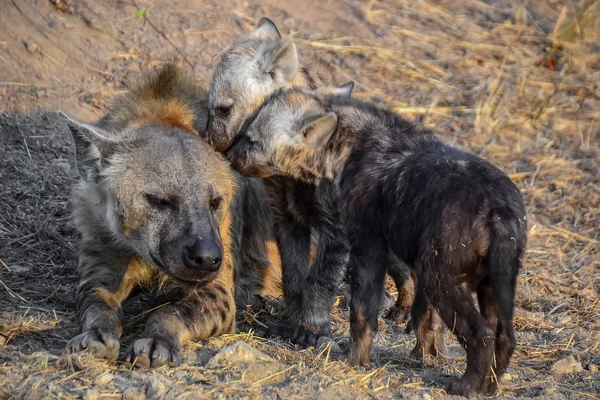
(317,128)
(266,30)
(343,91)
(92,145)
(281,62)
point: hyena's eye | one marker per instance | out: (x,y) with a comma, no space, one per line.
(215,203)
(157,201)
(224,110)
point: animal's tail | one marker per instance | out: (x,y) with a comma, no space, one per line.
(504,262)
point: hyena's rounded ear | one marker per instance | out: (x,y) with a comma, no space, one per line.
(343,91)
(281,62)
(92,144)
(266,30)
(318,128)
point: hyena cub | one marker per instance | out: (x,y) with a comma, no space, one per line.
(155,208)
(249,71)
(457,219)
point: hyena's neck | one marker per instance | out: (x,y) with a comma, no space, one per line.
(312,165)
(313,73)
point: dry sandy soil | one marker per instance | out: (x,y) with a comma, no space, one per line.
(517,83)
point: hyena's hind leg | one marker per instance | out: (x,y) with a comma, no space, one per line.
(400,273)
(456,307)
(506,341)
(428,327)
(367,268)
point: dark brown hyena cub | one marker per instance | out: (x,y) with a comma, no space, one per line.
(249,71)
(158,208)
(457,219)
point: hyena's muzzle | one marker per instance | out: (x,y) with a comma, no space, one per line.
(194,255)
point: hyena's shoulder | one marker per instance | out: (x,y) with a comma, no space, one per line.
(166,96)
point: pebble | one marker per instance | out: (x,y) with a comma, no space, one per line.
(91,394)
(131,393)
(30,46)
(3,340)
(566,365)
(104,379)
(180,374)
(238,352)
(339,392)
(155,388)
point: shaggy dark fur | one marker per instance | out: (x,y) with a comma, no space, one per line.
(457,220)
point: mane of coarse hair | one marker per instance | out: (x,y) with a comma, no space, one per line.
(165,96)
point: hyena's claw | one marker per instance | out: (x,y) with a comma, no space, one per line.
(101,342)
(309,336)
(285,328)
(152,353)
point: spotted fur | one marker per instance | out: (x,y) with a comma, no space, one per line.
(150,190)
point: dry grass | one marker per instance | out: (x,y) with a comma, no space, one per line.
(516,83)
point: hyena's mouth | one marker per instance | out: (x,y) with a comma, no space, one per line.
(203,279)
(159,264)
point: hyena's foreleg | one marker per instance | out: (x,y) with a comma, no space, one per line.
(204,312)
(326,272)
(293,243)
(103,287)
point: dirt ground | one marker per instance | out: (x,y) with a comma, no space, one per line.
(516,82)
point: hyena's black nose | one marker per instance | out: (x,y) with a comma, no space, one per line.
(204,254)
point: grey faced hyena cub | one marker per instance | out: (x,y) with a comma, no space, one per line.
(250,71)
(457,219)
(156,207)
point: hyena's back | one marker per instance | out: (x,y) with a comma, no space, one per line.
(167,96)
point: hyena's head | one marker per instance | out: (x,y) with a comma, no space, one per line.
(157,191)
(250,71)
(290,126)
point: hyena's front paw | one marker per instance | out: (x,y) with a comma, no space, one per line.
(308,334)
(153,352)
(101,342)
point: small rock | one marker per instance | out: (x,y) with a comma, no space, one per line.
(104,379)
(566,365)
(238,352)
(20,269)
(30,46)
(339,392)
(507,377)
(155,388)
(180,374)
(131,393)
(593,368)
(3,340)
(91,394)
(198,377)
(325,341)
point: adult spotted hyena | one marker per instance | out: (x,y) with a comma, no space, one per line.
(156,207)
(457,219)
(250,71)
